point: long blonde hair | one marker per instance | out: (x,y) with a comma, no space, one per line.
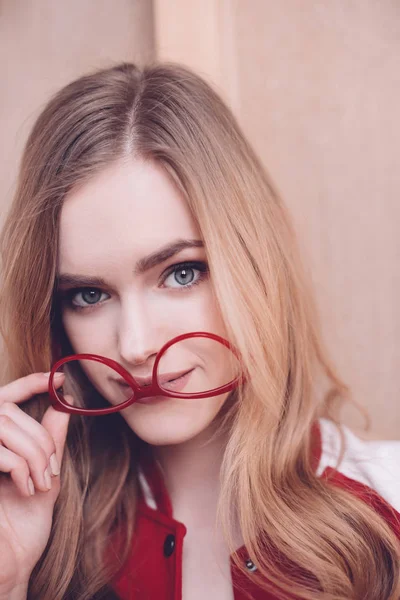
(167,114)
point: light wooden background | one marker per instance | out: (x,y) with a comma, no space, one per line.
(316,87)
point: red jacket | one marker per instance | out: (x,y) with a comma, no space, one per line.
(153,570)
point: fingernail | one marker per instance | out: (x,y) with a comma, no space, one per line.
(47,479)
(31,487)
(54,466)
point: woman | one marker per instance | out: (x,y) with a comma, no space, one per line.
(142,214)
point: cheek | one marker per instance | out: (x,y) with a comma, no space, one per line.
(195,311)
(90,333)
(213,316)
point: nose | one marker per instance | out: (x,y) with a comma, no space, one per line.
(139,334)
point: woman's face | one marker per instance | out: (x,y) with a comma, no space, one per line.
(132,275)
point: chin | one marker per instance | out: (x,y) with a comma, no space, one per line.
(177,425)
(158,439)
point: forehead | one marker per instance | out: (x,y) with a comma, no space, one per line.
(129,209)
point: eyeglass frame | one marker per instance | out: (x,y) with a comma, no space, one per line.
(140,392)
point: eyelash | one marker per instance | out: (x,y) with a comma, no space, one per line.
(202,267)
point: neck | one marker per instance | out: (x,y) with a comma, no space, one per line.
(191,474)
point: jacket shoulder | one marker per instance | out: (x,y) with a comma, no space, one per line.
(371,468)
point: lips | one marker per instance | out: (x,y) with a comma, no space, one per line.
(163,380)
(178,383)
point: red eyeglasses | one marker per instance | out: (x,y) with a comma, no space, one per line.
(192,365)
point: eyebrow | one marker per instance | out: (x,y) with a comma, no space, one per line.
(144,264)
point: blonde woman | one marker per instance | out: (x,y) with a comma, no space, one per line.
(188,453)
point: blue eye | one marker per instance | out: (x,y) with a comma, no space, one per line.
(185,275)
(182,277)
(85,297)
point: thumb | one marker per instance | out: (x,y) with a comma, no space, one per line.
(56,423)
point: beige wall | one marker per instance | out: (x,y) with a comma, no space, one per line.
(316,86)
(328,74)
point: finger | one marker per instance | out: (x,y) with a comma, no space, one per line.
(18,469)
(21,443)
(30,426)
(56,424)
(24,388)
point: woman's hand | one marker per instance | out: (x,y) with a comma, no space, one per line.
(31,454)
